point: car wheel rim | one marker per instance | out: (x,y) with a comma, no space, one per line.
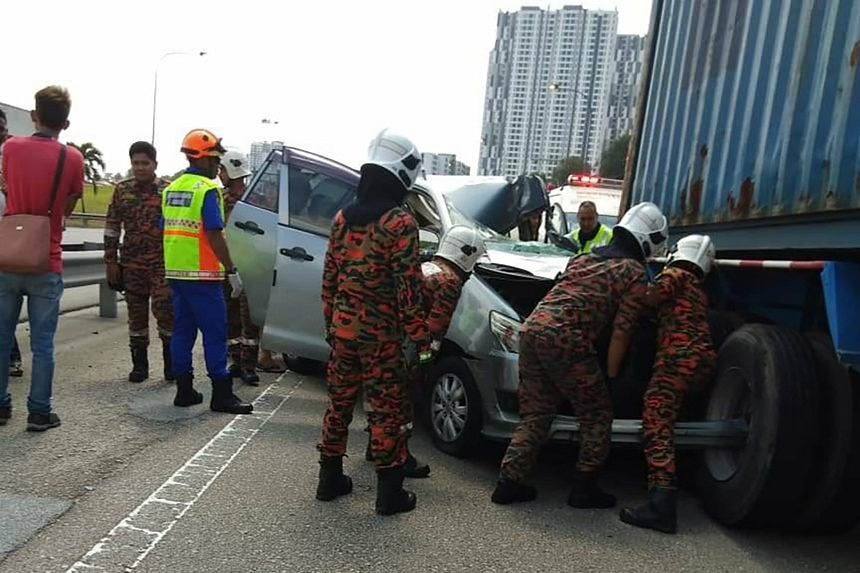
(731,400)
(449,408)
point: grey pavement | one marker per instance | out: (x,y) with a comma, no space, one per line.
(217,493)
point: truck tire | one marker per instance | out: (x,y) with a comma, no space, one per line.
(452,407)
(767,375)
(834,441)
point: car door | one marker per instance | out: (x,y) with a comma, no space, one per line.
(316,189)
(252,234)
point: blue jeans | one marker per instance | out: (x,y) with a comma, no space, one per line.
(199,305)
(43,292)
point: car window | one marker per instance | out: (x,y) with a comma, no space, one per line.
(266,188)
(315,198)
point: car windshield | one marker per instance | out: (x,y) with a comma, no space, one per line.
(608,220)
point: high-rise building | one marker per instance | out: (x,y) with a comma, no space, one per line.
(547,89)
(443,164)
(260,151)
(629,59)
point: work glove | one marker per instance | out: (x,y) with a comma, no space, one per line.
(235,283)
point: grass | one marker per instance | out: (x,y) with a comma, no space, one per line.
(96,204)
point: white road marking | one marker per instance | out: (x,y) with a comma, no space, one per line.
(133,538)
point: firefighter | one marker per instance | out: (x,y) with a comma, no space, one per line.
(139,269)
(195,256)
(685,361)
(371,295)
(557,358)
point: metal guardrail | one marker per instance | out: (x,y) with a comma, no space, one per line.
(86,217)
(85,268)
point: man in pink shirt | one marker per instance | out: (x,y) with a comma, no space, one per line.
(28,165)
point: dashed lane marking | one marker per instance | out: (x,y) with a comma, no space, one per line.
(133,538)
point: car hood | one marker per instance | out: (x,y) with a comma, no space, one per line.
(497,203)
(539,259)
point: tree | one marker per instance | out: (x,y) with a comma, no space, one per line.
(94,166)
(614,158)
(568,166)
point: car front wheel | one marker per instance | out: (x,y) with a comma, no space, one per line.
(453,407)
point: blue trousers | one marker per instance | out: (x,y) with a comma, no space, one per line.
(199,305)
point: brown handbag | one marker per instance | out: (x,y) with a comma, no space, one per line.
(25,239)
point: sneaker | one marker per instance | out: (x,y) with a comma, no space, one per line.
(5,414)
(42,422)
(16,370)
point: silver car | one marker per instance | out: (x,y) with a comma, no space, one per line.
(278,233)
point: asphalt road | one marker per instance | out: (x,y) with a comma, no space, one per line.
(129,480)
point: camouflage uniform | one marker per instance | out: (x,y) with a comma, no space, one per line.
(371,293)
(137,207)
(558,358)
(685,359)
(243,336)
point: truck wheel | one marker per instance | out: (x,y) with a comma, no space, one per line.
(765,375)
(453,407)
(834,441)
(303,366)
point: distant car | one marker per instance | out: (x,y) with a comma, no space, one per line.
(277,235)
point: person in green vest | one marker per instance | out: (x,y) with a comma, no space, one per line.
(195,259)
(591,232)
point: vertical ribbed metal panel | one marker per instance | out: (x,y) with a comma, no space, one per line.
(753,111)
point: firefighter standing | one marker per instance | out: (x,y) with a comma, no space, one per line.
(371,295)
(558,360)
(139,270)
(195,256)
(242,334)
(685,361)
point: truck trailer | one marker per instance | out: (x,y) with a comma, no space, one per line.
(748,130)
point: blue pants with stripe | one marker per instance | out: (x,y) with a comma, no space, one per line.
(199,305)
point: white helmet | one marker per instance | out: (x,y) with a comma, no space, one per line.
(236,164)
(396,153)
(648,226)
(697,249)
(462,246)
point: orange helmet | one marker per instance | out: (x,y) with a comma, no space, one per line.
(202,143)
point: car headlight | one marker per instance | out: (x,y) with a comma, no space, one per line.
(506,330)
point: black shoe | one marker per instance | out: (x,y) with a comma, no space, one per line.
(249,377)
(658,513)
(15,369)
(42,422)
(5,414)
(508,491)
(585,493)
(332,482)
(223,399)
(186,395)
(168,362)
(234,370)
(391,498)
(140,365)
(415,469)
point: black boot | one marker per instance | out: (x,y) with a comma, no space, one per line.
(585,493)
(508,491)
(249,377)
(140,365)
(391,498)
(415,469)
(186,395)
(234,370)
(332,483)
(168,361)
(223,399)
(658,513)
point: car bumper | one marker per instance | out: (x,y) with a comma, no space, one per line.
(497,378)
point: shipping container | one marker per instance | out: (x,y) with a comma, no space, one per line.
(749,126)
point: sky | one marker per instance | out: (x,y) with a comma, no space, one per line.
(332,73)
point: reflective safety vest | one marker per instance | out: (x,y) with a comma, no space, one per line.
(187,252)
(602,238)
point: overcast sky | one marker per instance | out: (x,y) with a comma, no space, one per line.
(333,73)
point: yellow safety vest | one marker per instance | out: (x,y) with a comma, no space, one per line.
(187,252)
(602,238)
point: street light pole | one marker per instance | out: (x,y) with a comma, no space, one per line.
(155,84)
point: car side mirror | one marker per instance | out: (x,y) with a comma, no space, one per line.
(428,241)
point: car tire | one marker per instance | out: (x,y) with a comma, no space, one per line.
(452,407)
(767,375)
(303,366)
